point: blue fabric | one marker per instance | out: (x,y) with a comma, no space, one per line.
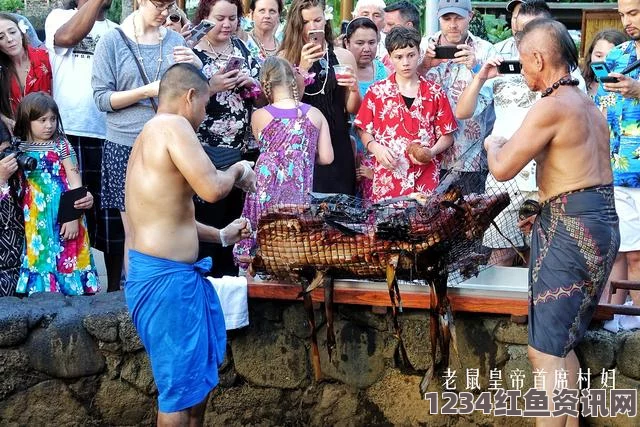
(180,322)
(623,115)
(574,242)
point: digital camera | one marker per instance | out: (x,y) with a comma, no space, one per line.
(25,162)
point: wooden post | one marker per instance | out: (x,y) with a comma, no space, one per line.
(346,8)
(181,4)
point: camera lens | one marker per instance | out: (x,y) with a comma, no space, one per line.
(26,162)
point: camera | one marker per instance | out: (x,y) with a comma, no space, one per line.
(25,162)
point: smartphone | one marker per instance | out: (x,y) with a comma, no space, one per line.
(316,37)
(199,31)
(446,52)
(234,63)
(510,67)
(601,71)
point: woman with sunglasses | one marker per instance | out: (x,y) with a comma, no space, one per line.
(334,95)
(127,66)
(225,130)
(361,39)
(176,20)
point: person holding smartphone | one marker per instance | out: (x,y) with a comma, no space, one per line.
(452,57)
(308,44)
(225,131)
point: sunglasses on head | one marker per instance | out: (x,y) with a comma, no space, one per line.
(175,18)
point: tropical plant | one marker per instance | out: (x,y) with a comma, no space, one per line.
(11,5)
(496,28)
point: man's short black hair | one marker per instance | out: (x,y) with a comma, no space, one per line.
(179,78)
(401,37)
(408,12)
(538,8)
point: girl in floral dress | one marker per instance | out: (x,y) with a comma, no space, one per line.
(56,256)
(293,137)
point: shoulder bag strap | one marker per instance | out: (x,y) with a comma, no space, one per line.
(140,70)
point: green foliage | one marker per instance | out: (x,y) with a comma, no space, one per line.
(11,5)
(115,11)
(496,28)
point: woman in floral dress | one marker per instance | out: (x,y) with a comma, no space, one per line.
(57,257)
(293,137)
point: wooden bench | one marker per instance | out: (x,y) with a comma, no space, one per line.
(463,298)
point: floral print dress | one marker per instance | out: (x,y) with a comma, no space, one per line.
(285,168)
(227,122)
(384,114)
(50,263)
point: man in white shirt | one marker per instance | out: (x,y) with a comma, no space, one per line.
(511,100)
(71,38)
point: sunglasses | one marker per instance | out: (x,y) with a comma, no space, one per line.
(325,66)
(175,18)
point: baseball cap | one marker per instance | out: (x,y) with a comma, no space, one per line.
(459,7)
(512,5)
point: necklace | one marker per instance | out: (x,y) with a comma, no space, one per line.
(326,77)
(266,52)
(141,59)
(220,55)
(564,81)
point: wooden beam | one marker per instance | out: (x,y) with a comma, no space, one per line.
(375,294)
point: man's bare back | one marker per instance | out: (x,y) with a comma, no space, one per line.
(569,139)
(158,198)
(166,168)
(577,156)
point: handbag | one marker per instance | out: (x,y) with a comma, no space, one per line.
(223,157)
(140,70)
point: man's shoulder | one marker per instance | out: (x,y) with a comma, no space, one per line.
(620,55)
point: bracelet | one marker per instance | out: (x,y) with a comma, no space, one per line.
(367,144)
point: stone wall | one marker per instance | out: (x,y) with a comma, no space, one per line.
(78,361)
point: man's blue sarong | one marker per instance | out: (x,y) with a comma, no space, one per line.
(178,317)
(574,243)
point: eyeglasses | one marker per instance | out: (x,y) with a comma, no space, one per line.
(325,66)
(175,18)
(161,7)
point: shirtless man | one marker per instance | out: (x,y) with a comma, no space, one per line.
(575,234)
(175,310)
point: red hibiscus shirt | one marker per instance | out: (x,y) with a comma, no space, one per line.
(38,78)
(384,114)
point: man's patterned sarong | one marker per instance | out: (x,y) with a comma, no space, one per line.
(574,243)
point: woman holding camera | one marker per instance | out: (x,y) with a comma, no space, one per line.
(12,221)
(225,131)
(308,44)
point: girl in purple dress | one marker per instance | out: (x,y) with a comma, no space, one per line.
(293,137)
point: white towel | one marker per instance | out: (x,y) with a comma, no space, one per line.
(232,293)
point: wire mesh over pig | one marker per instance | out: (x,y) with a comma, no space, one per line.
(348,239)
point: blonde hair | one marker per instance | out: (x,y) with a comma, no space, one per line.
(278,72)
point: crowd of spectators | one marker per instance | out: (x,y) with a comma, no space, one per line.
(378,89)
